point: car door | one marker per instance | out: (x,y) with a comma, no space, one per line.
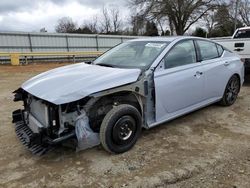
(240,42)
(215,69)
(179,82)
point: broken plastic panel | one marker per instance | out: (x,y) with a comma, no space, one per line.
(85,135)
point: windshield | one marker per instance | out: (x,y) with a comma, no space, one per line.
(243,34)
(136,54)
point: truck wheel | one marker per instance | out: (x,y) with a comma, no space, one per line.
(120,128)
(231,92)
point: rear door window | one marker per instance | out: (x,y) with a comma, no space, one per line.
(208,50)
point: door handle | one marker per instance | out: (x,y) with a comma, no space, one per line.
(238,49)
(227,63)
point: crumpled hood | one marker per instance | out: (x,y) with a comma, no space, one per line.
(73,82)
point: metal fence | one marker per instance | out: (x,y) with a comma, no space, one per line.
(24,45)
(50,42)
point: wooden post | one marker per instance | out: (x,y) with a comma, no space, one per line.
(26,60)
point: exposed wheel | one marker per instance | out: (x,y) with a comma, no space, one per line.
(231,92)
(120,128)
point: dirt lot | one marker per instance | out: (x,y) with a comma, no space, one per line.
(208,148)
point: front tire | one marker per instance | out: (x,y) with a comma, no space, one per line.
(120,128)
(231,92)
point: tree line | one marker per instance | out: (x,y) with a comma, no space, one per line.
(205,18)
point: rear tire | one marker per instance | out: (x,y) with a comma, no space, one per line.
(231,92)
(120,128)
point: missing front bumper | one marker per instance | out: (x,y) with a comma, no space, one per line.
(30,140)
(37,143)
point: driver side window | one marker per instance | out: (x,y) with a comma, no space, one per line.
(181,54)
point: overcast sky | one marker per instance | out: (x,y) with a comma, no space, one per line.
(32,15)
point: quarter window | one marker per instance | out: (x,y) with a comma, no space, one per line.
(220,50)
(181,54)
(208,50)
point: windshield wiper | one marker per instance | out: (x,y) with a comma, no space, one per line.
(105,65)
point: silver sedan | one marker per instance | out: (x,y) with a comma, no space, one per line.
(139,83)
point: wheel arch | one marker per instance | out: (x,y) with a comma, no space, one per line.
(103,104)
(225,101)
(235,74)
(238,76)
(125,97)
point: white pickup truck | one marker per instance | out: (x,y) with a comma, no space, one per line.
(238,43)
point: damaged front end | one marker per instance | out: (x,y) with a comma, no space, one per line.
(41,124)
(54,112)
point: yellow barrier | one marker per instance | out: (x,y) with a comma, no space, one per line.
(15,57)
(3,54)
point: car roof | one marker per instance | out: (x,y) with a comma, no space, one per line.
(243,28)
(165,39)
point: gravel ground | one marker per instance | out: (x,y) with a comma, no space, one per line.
(207,148)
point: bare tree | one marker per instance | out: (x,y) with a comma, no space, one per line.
(224,21)
(244,11)
(106,23)
(159,22)
(171,26)
(182,14)
(65,25)
(111,22)
(92,24)
(43,30)
(210,21)
(138,24)
(116,20)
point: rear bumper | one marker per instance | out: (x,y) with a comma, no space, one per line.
(37,142)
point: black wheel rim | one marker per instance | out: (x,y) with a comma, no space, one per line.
(124,130)
(232,90)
